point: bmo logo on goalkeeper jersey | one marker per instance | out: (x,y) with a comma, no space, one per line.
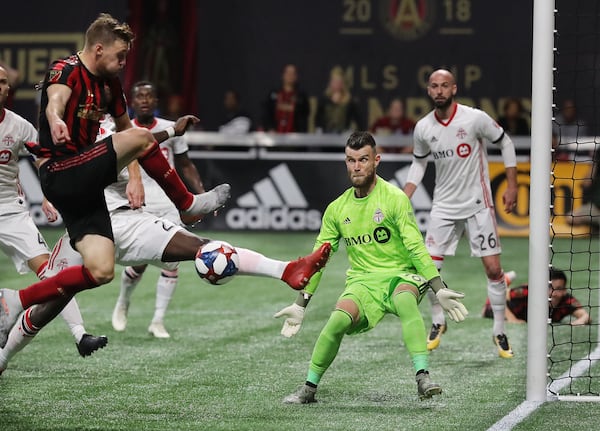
(275,202)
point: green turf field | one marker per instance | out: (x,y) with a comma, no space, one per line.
(227,368)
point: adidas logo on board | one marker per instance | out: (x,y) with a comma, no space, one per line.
(275,202)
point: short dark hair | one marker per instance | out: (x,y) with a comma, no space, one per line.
(357,140)
(106,29)
(138,84)
(557,274)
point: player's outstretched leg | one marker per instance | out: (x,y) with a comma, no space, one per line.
(10,308)
(426,387)
(298,272)
(305,394)
(90,343)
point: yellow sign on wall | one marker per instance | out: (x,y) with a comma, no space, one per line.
(566,191)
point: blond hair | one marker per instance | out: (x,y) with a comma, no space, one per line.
(105,29)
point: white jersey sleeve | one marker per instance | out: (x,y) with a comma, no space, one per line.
(15,131)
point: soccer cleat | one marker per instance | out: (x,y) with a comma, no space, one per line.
(504,349)
(90,343)
(435,336)
(206,203)
(425,387)
(157,330)
(10,309)
(509,277)
(298,272)
(303,395)
(119,316)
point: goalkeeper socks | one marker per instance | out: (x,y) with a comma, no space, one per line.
(497,295)
(328,345)
(165,287)
(72,316)
(255,263)
(156,165)
(66,283)
(413,328)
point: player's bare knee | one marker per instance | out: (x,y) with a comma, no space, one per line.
(102,274)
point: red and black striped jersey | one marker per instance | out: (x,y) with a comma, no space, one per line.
(92,97)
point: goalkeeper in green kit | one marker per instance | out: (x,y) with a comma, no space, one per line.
(390,271)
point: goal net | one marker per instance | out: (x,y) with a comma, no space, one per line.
(573,350)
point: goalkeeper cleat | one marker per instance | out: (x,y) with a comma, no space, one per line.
(90,343)
(206,203)
(504,349)
(10,309)
(304,395)
(435,336)
(158,330)
(298,272)
(425,387)
(119,316)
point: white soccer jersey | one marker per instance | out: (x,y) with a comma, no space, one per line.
(14,132)
(156,200)
(462,181)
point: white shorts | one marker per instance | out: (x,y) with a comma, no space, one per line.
(141,238)
(443,235)
(21,240)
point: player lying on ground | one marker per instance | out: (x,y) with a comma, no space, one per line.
(390,271)
(561,303)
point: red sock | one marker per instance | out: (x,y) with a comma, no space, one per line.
(157,166)
(69,281)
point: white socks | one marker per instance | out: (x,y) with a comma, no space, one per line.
(165,287)
(252,262)
(497,295)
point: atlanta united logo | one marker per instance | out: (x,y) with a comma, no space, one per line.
(378,216)
(407,19)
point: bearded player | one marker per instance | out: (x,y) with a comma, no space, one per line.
(455,135)
(390,271)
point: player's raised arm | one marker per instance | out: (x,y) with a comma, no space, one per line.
(58,96)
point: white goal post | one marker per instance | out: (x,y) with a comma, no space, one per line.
(539,387)
(539,216)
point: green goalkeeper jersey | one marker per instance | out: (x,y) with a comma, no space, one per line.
(380,233)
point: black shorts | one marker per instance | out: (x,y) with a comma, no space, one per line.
(75,186)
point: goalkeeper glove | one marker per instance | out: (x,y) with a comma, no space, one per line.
(449,300)
(294,315)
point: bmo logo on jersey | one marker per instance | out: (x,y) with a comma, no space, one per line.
(380,235)
(463,150)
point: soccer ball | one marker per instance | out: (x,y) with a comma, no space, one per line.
(216,262)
